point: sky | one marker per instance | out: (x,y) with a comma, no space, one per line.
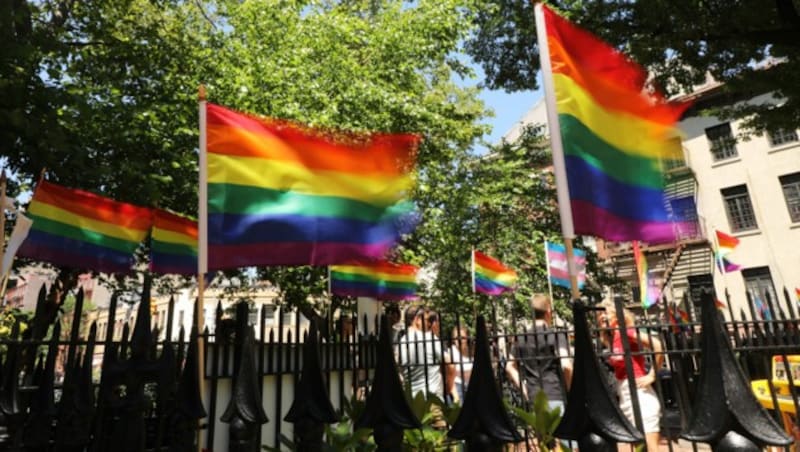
(508,107)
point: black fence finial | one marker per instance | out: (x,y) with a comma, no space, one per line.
(387,411)
(312,407)
(592,416)
(483,421)
(726,413)
(245,412)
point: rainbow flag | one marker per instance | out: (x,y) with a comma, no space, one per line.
(648,291)
(74,228)
(491,277)
(283,194)
(173,244)
(797,294)
(381,280)
(616,138)
(725,244)
(677,317)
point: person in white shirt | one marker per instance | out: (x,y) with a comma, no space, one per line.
(461,360)
(421,355)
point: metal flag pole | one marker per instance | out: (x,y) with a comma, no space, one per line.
(202,248)
(472,269)
(549,279)
(557,147)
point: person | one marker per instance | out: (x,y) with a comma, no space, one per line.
(422,358)
(461,360)
(540,360)
(420,354)
(649,404)
(393,317)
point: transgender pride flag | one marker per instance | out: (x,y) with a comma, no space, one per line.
(557,270)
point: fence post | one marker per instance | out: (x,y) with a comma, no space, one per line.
(726,414)
(311,408)
(11,406)
(39,426)
(483,421)
(592,416)
(245,413)
(387,411)
(188,401)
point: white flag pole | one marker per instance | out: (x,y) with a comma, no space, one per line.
(557,147)
(472,267)
(549,276)
(202,244)
(330,291)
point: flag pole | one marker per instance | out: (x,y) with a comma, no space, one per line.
(3,277)
(547,263)
(472,269)
(202,246)
(557,147)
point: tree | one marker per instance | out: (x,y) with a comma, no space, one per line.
(752,46)
(112,87)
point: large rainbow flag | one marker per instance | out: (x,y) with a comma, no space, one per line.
(282,194)
(173,244)
(381,280)
(490,276)
(615,137)
(78,229)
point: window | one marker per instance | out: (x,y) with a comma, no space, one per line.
(269,313)
(739,208)
(684,214)
(678,161)
(252,316)
(758,283)
(722,142)
(781,136)
(791,192)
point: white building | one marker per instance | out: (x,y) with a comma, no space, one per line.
(748,188)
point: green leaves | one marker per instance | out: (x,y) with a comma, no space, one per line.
(541,420)
(749,45)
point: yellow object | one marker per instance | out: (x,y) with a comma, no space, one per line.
(783,394)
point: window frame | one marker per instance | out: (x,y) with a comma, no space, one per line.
(722,142)
(738,220)
(791,182)
(782,135)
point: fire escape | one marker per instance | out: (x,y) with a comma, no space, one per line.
(675,267)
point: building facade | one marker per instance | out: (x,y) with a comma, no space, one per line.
(745,187)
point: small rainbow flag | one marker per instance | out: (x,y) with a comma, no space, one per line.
(677,317)
(173,244)
(491,277)
(615,136)
(78,229)
(725,244)
(283,194)
(381,280)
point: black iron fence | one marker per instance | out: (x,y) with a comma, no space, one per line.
(280,390)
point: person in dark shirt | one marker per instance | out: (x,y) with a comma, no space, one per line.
(540,360)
